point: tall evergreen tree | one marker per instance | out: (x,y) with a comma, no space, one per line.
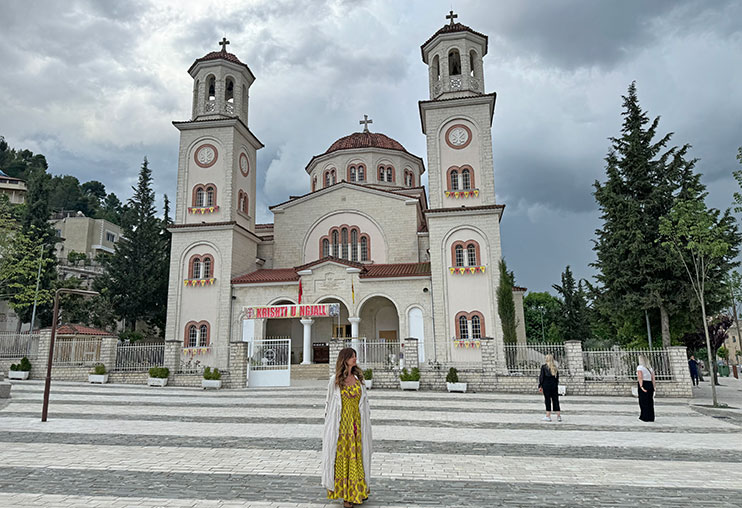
(163,268)
(506,304)
(132,278)
(644,178)
(574,319)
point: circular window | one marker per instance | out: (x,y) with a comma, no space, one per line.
(458,136)
(244,165)
(206,156)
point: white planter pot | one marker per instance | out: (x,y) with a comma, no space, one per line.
(156,381)
(18,374)
(369,383)
(456,387)
(562,390)
(211,383)
(98,378)
(409,385)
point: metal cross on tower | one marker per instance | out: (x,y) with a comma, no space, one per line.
(452,16)
(223,44)
(365,123)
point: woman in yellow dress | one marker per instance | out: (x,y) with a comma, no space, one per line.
(346,443)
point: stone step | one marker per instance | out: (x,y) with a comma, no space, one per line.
(315,371)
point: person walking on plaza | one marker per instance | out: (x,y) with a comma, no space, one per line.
(346,442)
(548,384)
(645,379)
(693,366)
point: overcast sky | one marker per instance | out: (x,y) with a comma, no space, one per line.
(95,85)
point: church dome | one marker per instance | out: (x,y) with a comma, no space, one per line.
(366,140)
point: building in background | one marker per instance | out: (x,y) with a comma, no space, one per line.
(14,188)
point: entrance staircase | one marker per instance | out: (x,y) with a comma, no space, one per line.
(315,371)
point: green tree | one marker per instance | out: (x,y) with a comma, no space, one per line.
(93,311)
(573,322)
(133,275)
(644,178)
(111,210)
(542,312)
(20,163)
(506,304)
(704,241)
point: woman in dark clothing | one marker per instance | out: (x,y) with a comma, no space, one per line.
(645,378)
(548,384)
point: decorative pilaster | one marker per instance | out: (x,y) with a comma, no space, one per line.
(677,355)
(238,364)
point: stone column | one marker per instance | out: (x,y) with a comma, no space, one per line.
(238,364)
(108,352)
(355,343)
(677,356)
(489,362)
(172,356)
(307,356)
(38,367)
(575,365)
(411,359)
(335,346)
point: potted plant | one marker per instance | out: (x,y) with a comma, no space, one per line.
(158,376)
(98,374)
(212,379)
(410,380)
(20,371)
(368,377)
(452,381)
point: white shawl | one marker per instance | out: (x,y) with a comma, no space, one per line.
(333,406)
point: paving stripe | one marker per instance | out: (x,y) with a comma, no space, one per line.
(135,485)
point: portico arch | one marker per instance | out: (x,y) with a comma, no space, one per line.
(379,318)
(283,328)
(324,329)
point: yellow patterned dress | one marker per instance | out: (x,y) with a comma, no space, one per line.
(350,480)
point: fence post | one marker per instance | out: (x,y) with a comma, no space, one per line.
(108,351)
(38,368)
(238,364)
(411,358)
(489,362)
(575,365)
(677,356)
(172,356)
(336,344)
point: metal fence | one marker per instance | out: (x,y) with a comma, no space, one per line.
(77,351)
(620,364)
(527,359)
(17,345)
(270,354)
(139,357)
(377,354)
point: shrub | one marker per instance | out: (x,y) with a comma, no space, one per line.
(410,376)
(452,376)
(99,369)
(213,375)
(159,372)
(368,374)
(128,335)
(24,365)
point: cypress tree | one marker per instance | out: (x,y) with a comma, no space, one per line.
(506,304)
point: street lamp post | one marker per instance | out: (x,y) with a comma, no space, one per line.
(47,385)
(543,335)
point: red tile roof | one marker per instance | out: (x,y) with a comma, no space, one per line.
(451,28)
(518,288)
(72,329)
(218,55)
(366,140)
(268,275)
(397,270)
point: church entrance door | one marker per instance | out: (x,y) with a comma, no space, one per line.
(389,335)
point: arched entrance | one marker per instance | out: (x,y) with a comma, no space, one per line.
(379,319)
(284,329)
(325,328)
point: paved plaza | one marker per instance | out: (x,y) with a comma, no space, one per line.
(123,445)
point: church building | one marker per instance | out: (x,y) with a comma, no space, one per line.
(399,259)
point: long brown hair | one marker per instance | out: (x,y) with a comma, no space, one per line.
(341,369)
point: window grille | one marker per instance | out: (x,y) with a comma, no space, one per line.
(459,255)
(463,328)
(471,251)
(325,248)
(364,249)
(476,328)
(361,174)
(204,338)
(454,180)
(344,240)
(196,272)
(389,175)
(210,196)
(466,179)
(354,245)
(192,336)
(335,244)
(207,268)
(199,197)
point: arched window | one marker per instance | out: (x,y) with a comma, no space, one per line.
(361,175)
(471,254)
(204,335)
(246,204)
(476,327)
(409,178)
(454,177)
(325,247)
(465,179)
(196,268)
(352,174)
(210,196)
(344,240)
(335,244)
(454,62)
(381,173)
(192,336)
(334,176)
(314,184)
(472,59)
(199,196)
(206,271)
(229,91)
(364,248)
(389,174)
(437,68)
(463,328)
(354,245)
(459,255)
(327,178)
